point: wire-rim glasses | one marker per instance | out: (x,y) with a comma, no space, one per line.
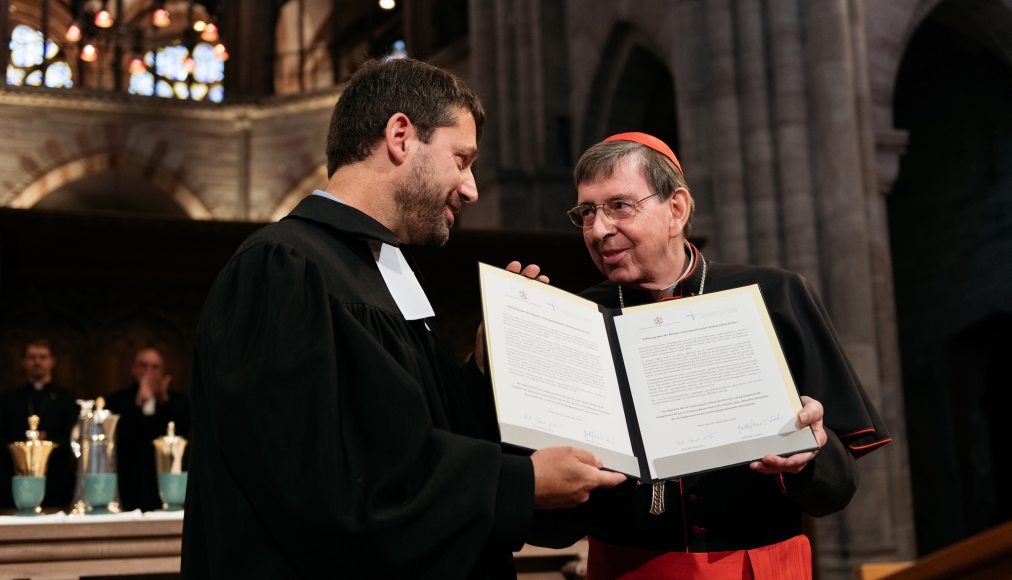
(583,215)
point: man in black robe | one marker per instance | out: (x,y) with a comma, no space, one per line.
(333,436)
(145,407)
(57,410)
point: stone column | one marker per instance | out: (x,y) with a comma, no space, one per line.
(518,69)
(243,128)
(728,179)
(764,243)
(250,39)
(868,526)
(838,172)
(892,465)
(790,114)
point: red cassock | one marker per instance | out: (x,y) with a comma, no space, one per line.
(787,560)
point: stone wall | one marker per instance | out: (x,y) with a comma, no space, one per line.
(236,162)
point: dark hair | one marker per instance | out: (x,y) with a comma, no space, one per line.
(600,161)
(426,94)
(38,342)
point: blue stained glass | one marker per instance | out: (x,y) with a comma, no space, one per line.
(217,93)
(209,68)
(27,53)
(58,76)
(169,63)
(203,51)
(149,59)
(142,83)
(26,46)
(15,75)
(164,89)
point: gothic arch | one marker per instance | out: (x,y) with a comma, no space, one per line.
(632,73)
(97,164)
(992,20)
(315,180)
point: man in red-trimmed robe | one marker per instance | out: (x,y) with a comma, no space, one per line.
(740,522)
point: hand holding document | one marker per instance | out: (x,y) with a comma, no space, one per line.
(655,391)
(565,476)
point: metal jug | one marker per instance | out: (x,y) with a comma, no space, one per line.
(93,441)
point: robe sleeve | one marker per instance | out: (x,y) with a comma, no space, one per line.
(827,483)
(822,371)
(820,367)
(331,441)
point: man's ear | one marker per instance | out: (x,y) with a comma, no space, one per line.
(680,204)
(397,136)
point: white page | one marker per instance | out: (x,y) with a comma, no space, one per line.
(706,373)
(552,369)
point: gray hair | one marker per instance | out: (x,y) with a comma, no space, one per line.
(600,161)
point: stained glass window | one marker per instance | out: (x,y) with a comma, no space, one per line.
(31,65)
(174,72)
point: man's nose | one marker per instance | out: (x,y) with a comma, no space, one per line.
(468,189)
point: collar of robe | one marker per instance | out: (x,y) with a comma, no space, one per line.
(343,218)
(689,285)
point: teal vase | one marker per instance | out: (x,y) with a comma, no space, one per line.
(28,491)
(172,489)
(99,491)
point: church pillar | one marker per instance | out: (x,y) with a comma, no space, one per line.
(893,466)
(250,39)
(764,244)
(837,166)
(842,163)
(728,179)
(518,67)
(790,114)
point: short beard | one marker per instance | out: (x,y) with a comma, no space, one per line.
(422,204)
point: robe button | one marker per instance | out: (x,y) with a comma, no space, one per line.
(698,530)
(693,497)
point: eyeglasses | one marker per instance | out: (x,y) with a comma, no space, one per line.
(617,210)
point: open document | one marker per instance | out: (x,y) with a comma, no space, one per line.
(656,391)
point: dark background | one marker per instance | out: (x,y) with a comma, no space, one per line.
(101,286)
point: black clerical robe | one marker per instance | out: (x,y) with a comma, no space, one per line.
(332,437)
(135,452)
(737,508)
(57,410)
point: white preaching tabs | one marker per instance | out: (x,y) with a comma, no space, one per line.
(402,283)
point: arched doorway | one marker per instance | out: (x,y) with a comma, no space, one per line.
(644,99)
(950,220)
(633,91)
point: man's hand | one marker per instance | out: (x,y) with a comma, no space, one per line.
(153,386)
(532,271)
(811,414)
(565,476)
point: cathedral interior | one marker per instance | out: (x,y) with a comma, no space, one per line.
(864,144)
